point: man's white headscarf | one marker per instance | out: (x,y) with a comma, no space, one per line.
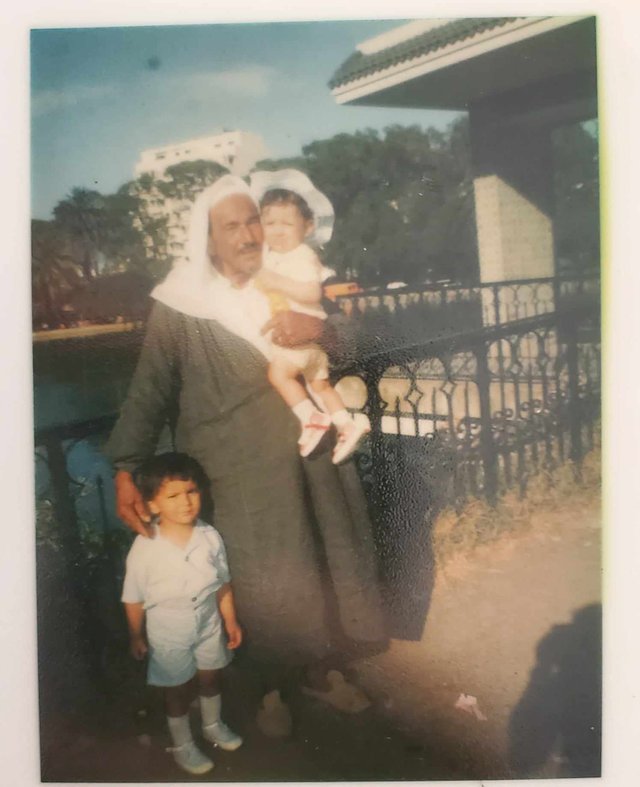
(194,287)
(186,287)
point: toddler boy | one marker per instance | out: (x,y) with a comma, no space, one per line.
(179,605)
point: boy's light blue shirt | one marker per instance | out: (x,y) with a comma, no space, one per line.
(161,574)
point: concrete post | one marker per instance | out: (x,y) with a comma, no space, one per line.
(513,185)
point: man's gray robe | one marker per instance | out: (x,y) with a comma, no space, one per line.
(296,531)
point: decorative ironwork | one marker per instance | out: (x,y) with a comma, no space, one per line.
(74,521)
(493,302)
(501,401)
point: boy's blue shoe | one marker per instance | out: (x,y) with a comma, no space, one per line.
(191,759)
(220,735)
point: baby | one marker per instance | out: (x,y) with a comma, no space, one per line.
(292,277)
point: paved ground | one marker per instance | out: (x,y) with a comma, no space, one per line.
(516,626)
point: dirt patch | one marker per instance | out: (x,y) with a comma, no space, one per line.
(512,585)
(559,499)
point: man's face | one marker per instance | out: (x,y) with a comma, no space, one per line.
(235,237)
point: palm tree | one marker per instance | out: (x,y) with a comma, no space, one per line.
(82,218)
(53,272)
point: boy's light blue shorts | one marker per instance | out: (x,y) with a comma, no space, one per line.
(183,640)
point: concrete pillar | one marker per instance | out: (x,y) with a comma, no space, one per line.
(513,186)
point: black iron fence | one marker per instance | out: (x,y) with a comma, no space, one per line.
(507,385)
(485,303)
(80,551)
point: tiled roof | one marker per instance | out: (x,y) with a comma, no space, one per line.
(359,65)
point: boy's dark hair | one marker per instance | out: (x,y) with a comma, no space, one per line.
(152,473)
(286,197)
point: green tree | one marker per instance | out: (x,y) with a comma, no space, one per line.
(81,216)
(54,273)
(104,231)
(391,193)
(294,162)
(122,244)
(184,181)
(577,202)
(151,223)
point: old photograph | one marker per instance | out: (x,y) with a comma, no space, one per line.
(317,400)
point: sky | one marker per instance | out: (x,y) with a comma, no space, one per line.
(100,96)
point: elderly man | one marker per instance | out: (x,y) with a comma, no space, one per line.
(297,533)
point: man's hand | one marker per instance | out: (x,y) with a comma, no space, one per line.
(291,329)
(234,634)
(138,647)
(130,506)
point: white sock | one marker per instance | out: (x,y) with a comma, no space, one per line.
(210,709)
(304,410)
(180,729)
(340,418)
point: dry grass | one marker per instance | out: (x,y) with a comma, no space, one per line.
(549,494)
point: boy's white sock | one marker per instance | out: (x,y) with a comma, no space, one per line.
(340,418)
(210,709)
(180,729)
(304,410)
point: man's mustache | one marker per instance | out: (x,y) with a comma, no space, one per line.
(253,246)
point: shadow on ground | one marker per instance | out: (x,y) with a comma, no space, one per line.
(559,715)
(406,501)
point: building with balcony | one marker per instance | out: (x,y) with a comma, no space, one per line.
(238,151)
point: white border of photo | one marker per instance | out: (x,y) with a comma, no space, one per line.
(619,66)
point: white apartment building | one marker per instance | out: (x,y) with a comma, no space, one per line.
(238,151)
